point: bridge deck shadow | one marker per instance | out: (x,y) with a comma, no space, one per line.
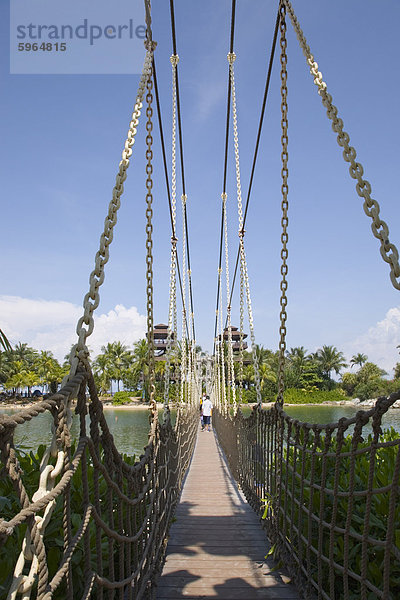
(217,547)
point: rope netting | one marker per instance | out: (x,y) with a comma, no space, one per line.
(82,520)
(110,518)
(328,495)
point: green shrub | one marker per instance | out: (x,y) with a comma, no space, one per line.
(249,396)
(313,467)
(122,398)
(295,396)
(54,533)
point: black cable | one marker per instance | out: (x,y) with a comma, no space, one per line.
(271,60)
(178,105)
(228,110)
(166,176)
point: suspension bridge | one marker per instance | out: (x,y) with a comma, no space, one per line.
(265,506)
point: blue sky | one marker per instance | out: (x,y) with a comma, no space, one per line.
(62,137)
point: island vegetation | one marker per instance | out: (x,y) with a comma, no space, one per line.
(309,377)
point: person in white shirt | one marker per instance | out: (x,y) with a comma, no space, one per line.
(207,411)
(202,399)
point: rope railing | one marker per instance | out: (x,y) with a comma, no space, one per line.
(328,495)
(113,516)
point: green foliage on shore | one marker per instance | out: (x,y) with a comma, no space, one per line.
(23,367)
(54,534)
(295,396)
(347,507)
(121,398)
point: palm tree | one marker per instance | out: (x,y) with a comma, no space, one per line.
(248,375)
(329,359)
(31,379)
(141,361)
(26,354)
(49,370)
(4,343)
(298,356)
(102,373)
(5,366)
(119,359)
(5,351)
(358,359)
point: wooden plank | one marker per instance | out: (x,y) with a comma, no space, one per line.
(217,547)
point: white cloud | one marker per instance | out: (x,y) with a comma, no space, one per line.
(50,325)
(380,341)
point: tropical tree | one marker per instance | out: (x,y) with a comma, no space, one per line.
(329,359)
(4,343)
(102,373)
(118,358)
(397,371)
(5,351)
(248,375)
(49,370)
(5,366)
(369,381)
(20,377)
(370,371)
(26,354)
(141,361)
(349,382)
(31,380)
(358,359)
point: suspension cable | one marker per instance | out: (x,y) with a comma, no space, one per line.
(260,125)
(228,111)
(160,126)
(178,103)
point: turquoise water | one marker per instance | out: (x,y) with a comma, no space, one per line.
(324,414)
(330,414)
(130,427)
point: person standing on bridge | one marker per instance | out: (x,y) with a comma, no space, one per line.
(207,411)
(201,411)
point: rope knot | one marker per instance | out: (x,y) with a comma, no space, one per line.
(241,233)
(184,198)
(150,45)
(224,196)
(231,58)
(174,60)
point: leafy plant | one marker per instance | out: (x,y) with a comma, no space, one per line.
(295,396)
(122,398)
(54,534)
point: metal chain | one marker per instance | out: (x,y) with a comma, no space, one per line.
(172,317)
(371,207)
(231,368)
(189,376)
(149,243)
(284,220)
(221,348)
(183,357)
(91,301)
(231,60)
(241,326)
(216,367)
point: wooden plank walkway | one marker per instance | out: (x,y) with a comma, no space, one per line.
(217,547)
